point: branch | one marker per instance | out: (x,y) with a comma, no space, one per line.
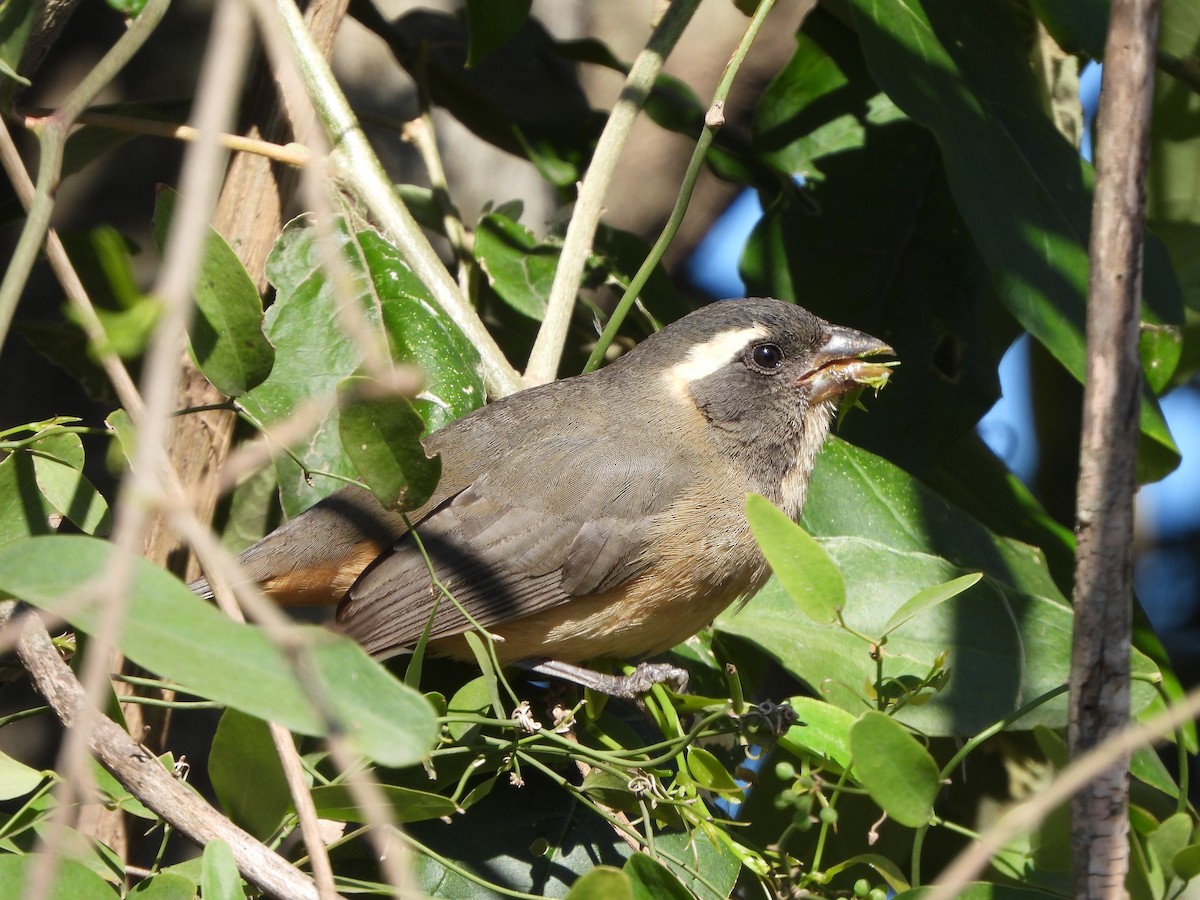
(143,774)
(1108,449)
(577,243)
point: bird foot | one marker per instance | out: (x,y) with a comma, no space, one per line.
(629,687)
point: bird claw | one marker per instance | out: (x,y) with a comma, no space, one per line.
(628,687)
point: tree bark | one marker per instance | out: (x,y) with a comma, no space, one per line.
(1104,512)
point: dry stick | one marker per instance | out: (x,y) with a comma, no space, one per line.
(1026,816)
(577,243)
(146,777)
(1108,449)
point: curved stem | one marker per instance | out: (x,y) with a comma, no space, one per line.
(577,244)
(713,121)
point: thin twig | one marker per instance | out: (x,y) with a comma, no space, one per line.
(713,121)
(577,243)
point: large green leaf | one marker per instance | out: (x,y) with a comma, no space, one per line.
(246,774)
(881,246)
(176,635)
(1007,639)
(314,353)
(959,70)
(226,333)
(72,880)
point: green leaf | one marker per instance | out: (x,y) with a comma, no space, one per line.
(823,731)
(1007,641)
(72,495)
(23,508)
(651,880)
(492,22)
(1019,186)
(176,635)
(1171,837)
(800,564)
(16,778)
(708,771)
(979,891)
(304,324)
(246,775)
(382,437)
(16,21)
(164,886)
(219,877)
(519,267)
(602,883)
(72,880)
(226,335)
(337,802)
(929,598)
(896,770)
(1187,862)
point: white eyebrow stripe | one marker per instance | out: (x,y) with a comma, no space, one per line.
(704,359)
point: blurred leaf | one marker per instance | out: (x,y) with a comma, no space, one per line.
(119,423)
(519,268)
(176,635)
(164,886)
(603,883)
(129,8)
(1173,179)
(823,731)
(253,511)
(219,877)
(336,801)
(895,769)
(1018,184)
(979,891)
(1187,862)
(304,325)
(800,564)
(1172,836)
(16,778)
(928,598)
(246,774)
(651,880)
(1008,640)
(226,334)
(16,21)
(72,880)
(618,255)
(382,437)
(492,22)
(523,97)
(1078,26)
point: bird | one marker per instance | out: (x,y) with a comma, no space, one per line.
(596,517)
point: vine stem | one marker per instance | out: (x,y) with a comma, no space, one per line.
(713,121)
(577,243)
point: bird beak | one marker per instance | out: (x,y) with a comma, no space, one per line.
(840,364)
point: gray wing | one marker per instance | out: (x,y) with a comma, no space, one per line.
(519,539)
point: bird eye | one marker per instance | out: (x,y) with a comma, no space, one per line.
(767,356)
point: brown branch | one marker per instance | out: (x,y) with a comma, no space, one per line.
(145,777)
(1108,451)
